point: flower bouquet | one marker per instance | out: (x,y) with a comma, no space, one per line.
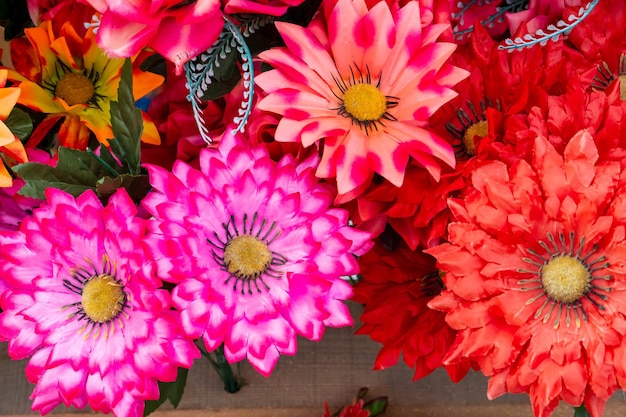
(187,179)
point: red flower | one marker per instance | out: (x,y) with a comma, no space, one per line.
(535,276)
(396,287)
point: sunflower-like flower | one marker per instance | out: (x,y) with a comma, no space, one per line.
(69,76)
(535,276)
(255,248)
(363,91)
(82,300)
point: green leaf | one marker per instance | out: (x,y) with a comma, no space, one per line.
(376,406)
(76,172)
(172,391)
(20,123)
(581,411)
(137,186)
(127,123)
(225,77)
(362,393)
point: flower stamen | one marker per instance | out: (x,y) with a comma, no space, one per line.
(362,101)
(246,255)
(565,278)
(102,297)
(74,88)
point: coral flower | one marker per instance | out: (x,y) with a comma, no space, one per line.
(535,278)
(362,83)
(69,76)
(255,248)
(83,301)
(10,145)
(178,30)
(396,287)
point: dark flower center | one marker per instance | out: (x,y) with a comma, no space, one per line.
(74,89)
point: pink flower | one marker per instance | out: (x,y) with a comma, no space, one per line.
(266,7)
(83,302)
(361,84)
(256,250)
(177,30)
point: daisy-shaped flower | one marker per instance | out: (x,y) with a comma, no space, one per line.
(82,300)
(68,76)
(535,276)
(362,83)
(396,287)
(256,249)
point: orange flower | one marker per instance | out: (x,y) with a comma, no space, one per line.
(535,276)
(10,146)
(69,76)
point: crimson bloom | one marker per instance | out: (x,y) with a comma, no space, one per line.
(535,276)
(396,286)
(83,302)
(255,248)
(363,91)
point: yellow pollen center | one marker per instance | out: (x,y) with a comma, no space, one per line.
(364,102)
(565,278)
(74,89)
(622,87)
(479,129)
(102,298)
(246,256)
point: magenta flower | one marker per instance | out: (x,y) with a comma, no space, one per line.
(256,250)
(178,30)
(81,299)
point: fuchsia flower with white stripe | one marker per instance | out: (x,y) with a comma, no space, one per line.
(256,250)
(363,82)
(80,298)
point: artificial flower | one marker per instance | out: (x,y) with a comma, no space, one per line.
(10,145)
(255,249)
(361,83)
(82,300)
(535,279)
(178,30)
(67,76)
(396,285)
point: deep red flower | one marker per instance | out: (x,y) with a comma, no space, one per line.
(396,287)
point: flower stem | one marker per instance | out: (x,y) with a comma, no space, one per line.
(232,384)
(581,411)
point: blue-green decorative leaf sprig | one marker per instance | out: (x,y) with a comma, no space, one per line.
(552,33)
(214,65)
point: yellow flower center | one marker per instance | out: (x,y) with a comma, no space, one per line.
(622,87)
(364,102)
(102,298)
(479,129)
(565,278)
(246,256)
(74,89)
